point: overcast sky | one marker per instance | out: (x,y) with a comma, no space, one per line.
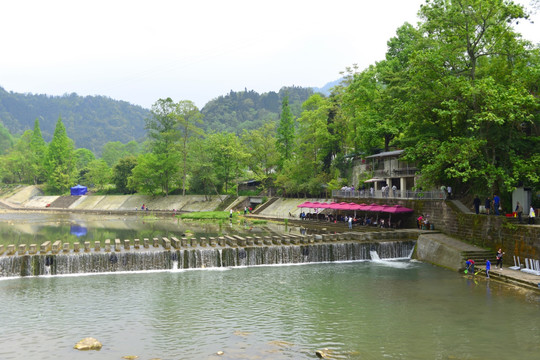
(140,51)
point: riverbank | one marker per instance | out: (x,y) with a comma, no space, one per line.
(30,198)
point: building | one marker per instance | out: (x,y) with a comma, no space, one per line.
(386,168)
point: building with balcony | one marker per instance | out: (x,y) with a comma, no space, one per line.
(385,168)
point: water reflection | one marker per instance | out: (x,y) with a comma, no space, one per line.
(78,230)
(35,228)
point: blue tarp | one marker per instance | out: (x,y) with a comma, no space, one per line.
(79,190)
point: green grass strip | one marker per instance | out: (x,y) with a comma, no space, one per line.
(205,215)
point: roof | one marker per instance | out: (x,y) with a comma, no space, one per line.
(386,154)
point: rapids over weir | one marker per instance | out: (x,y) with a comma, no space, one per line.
(198,253)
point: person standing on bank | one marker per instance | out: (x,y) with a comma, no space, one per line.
(487,205)
(476,203)
(499,258)
(532,215)
(519,211)
(488,267)
(496,204)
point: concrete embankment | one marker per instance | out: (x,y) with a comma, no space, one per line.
(31,198)
(445,251)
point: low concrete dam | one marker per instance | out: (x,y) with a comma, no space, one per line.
(193,253)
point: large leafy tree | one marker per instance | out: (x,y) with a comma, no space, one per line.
(470,107)
(228,158)
(188,118)
(60,161)
(163,134)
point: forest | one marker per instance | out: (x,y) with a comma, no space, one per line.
(459,92)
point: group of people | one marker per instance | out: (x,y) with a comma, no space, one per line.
(351,220)
(422,222)
(495,204)
(519,212)
(470,263)
(489,204)
(386,190)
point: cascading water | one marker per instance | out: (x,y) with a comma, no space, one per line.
(201,257)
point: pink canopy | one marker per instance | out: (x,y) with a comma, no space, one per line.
(372,207)
(397,209)
(305,204)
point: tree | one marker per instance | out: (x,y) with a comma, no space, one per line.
(285,132)
(203,178)
(469,94)
(227,156)
(145,176)
(38,149)
(262,156)
(188,117)
(163,134)
(6,140)
(60,161)
(99,173)
(115,150)
(122,171)
(83,157)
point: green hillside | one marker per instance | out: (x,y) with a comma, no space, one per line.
(249,110)
(91,121)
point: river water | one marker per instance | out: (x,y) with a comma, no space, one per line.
(354,310)
(357,310)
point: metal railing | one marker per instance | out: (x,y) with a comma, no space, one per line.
(390,194)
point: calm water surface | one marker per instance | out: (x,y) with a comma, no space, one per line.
(35,228)
(358,310)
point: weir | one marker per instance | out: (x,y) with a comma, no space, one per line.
(196,254)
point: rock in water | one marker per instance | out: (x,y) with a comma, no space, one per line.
(88,344)
(321,354)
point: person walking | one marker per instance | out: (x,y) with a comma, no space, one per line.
(532,215)
(476,203)
(496,203)
(350,222)
(499,259)
(519,211)
(488,267)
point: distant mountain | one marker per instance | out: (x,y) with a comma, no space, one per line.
(91,121)
(325,90)
(249,110)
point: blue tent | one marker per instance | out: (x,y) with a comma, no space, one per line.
(79,190)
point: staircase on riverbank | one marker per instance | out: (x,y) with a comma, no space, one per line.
(265,205)
(479,256)
(64,202)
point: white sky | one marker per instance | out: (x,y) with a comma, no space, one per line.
(140,51)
